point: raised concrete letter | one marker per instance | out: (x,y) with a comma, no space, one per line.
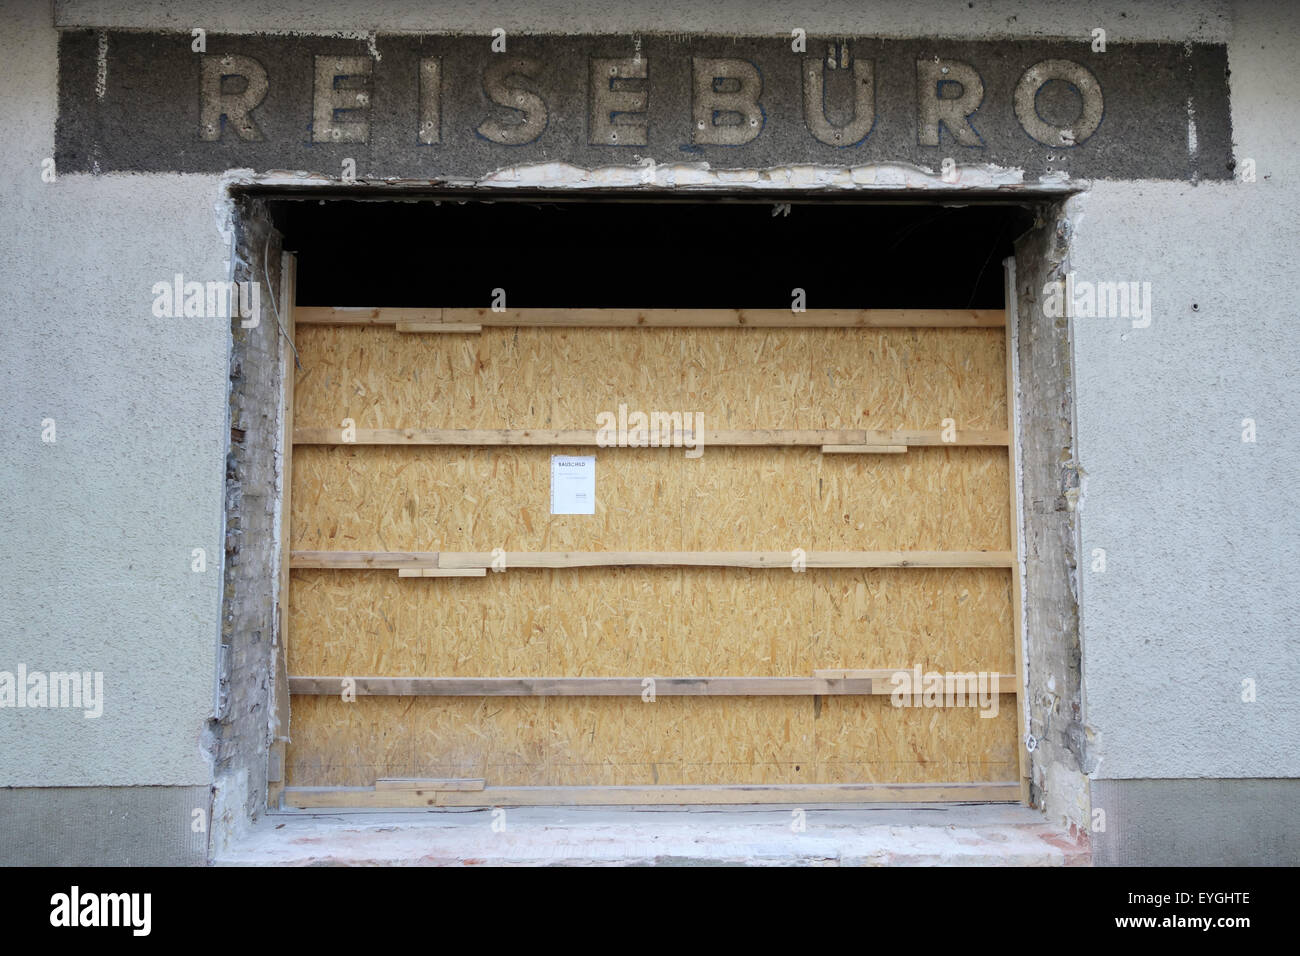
(330,99)
(814,102)
(496,82)
(237,108)
(618,115)
(1082,80)
(934,105)
(725,110)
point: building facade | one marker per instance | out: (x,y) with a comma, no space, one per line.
(1150,149)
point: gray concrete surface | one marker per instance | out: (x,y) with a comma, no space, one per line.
(104,826)
(1197,822)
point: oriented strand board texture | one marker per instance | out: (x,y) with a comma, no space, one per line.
(430,498)
(661,622)
(737,378)
(664,622)
(626,741)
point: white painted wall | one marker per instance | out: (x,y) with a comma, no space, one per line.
(98,527)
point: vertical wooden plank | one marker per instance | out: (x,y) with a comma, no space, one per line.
(276,762)
(1017,557)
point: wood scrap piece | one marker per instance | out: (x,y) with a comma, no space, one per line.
(441,572)
(444,784)
(863,449)
(451,327)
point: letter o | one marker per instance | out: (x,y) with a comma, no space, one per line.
(1078,76)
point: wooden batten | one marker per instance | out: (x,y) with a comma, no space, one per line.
(824,683)
(1013,488)
(426,319)
(442,564)
(442,572)
(366,560)
(830,440)
(281,703)
(864,449)
(716,795)
(590,686)
(883,679)
(436,327)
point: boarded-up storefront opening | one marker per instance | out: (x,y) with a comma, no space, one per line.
(797,581)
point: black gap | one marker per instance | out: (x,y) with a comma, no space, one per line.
(628,254)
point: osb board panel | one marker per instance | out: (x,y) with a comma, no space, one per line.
(735,378)
(434,498)
(665,622)
(619,741)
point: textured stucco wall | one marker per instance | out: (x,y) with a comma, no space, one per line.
(99,526)
(1201,538)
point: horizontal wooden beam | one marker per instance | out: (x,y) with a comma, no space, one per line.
(320,315)
(884,678)
(363,560)
(828,439)
(863,449)
(857,684)
(715,795)
(589,686)
(657,318)
(781,560)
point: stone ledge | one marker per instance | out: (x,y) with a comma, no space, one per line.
(900,835)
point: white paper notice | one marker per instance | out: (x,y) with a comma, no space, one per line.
(573,485)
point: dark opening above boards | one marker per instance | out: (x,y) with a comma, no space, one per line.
(602,253)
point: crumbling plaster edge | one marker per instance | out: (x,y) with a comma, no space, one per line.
(654,178)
